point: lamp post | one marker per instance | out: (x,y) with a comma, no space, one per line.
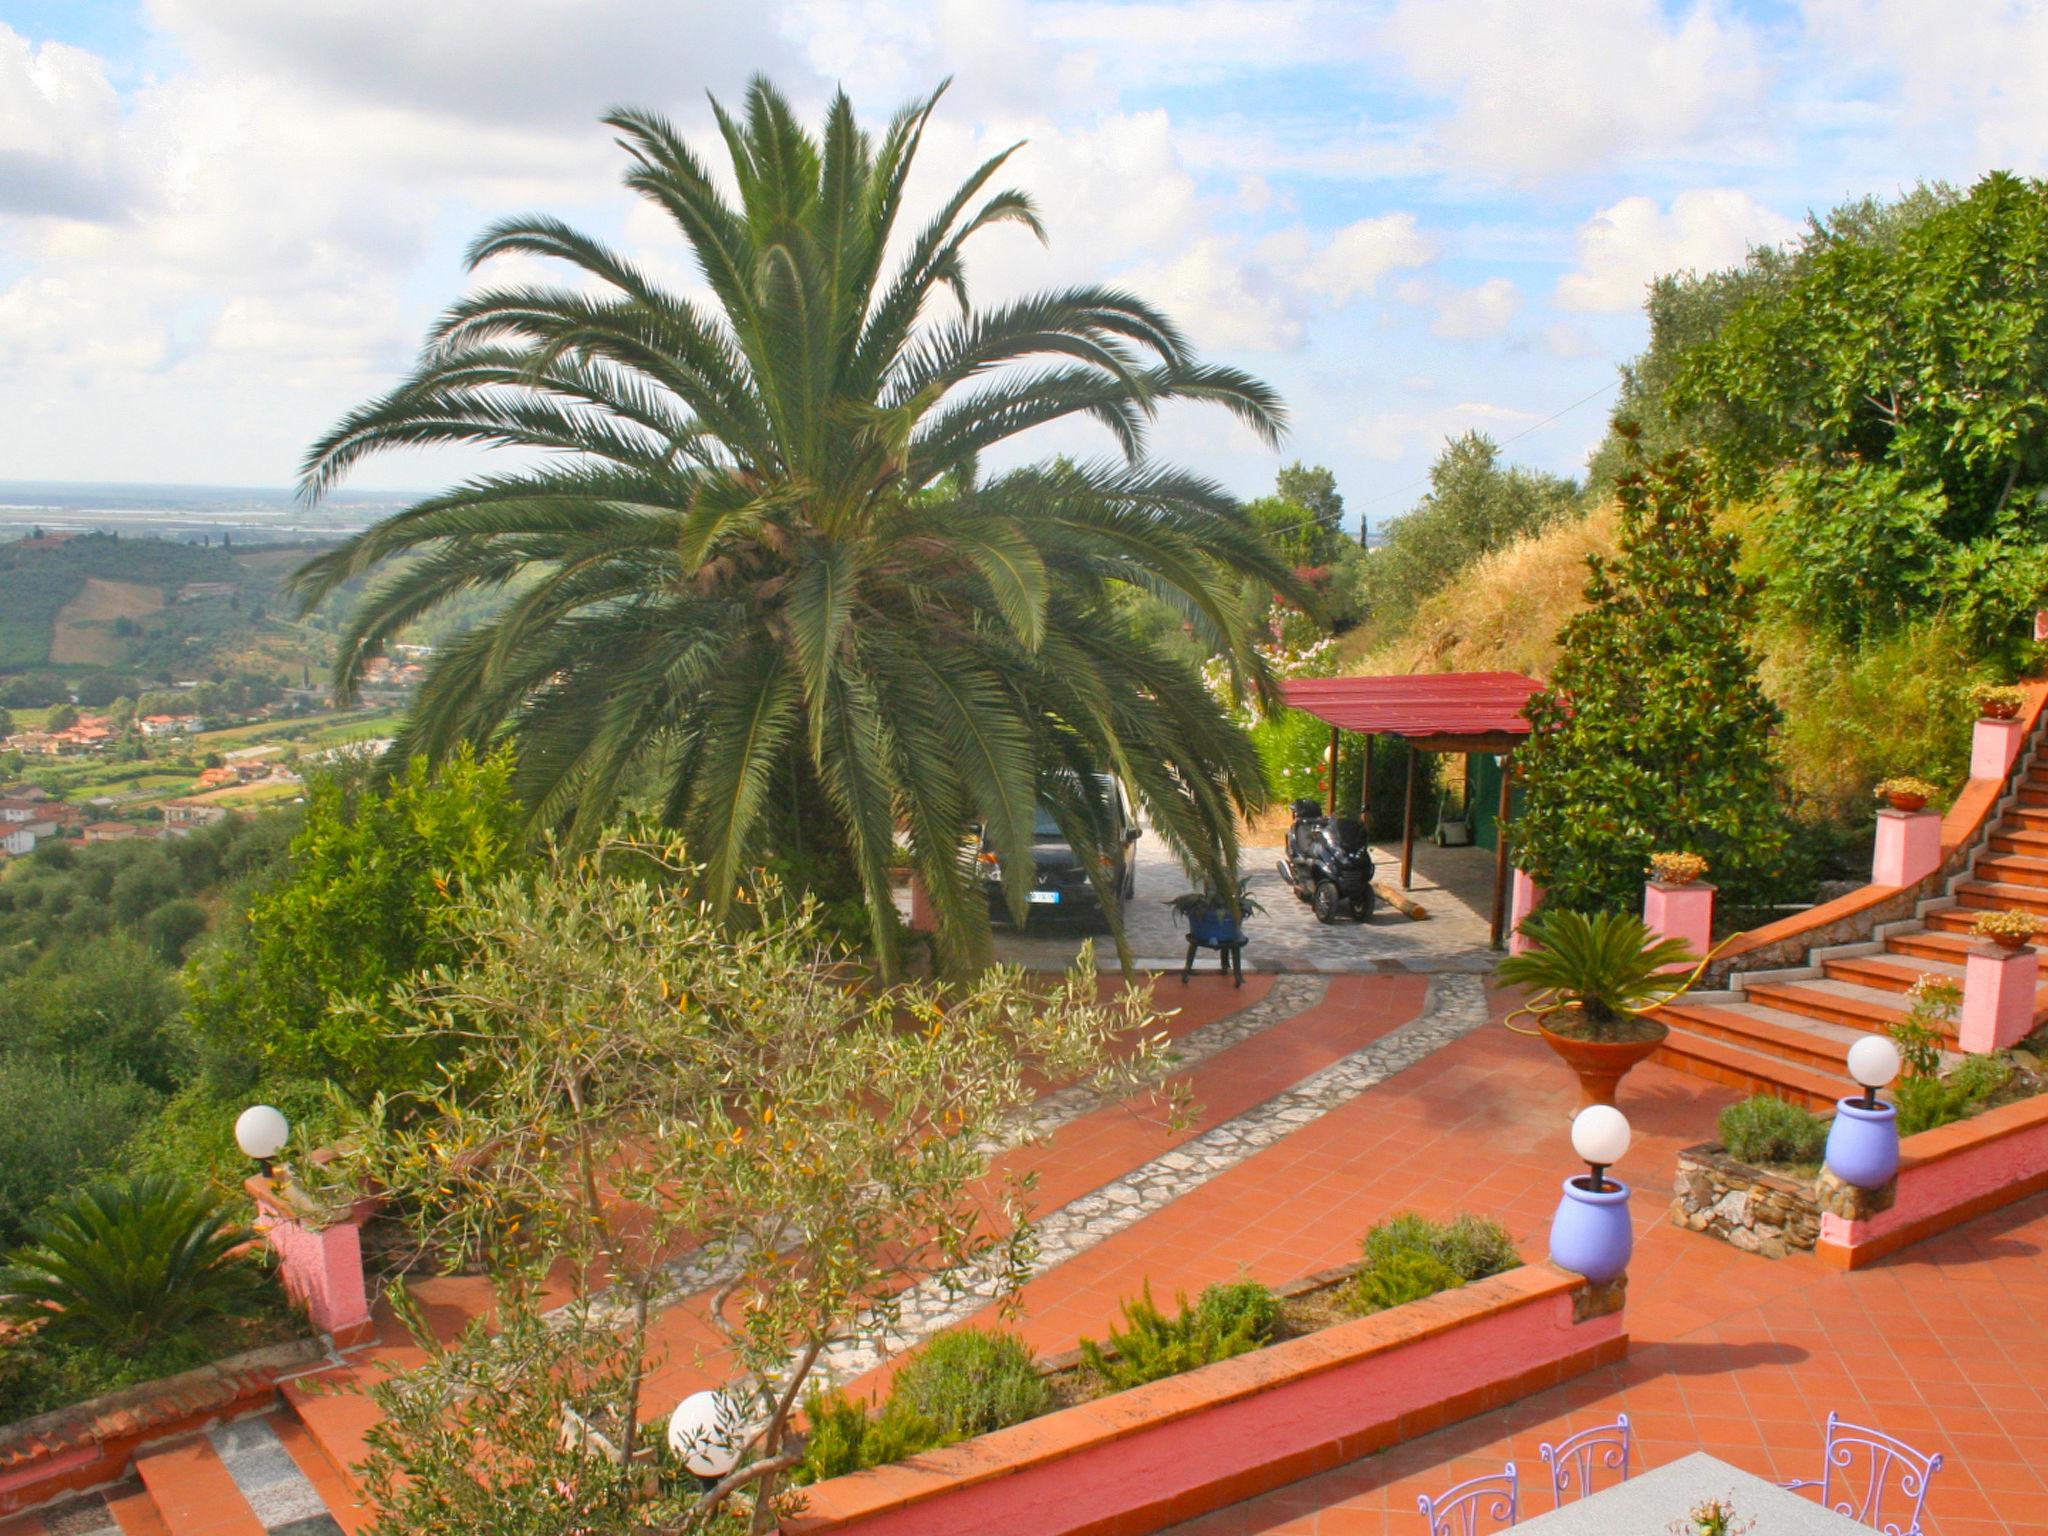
(1863,1140)
(262,1132)
(1591,1233)
(706,1431)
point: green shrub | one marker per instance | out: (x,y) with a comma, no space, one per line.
(58,1126)
(845,1436)
(1225,1320)
(1407,1275)
(969,1381)
(1408,1256)
(125,1265)
(1925,1102)
(1770,1130)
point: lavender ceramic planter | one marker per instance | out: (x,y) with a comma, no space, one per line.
(1863,1144)
(1590,1234)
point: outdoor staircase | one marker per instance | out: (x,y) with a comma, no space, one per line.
(1788,1032)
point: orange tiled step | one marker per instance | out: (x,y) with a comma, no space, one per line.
(1951,925)
(192,1491)
(135,1512)
(2032,842)
(1895,972)
(1993,896)
(1800,1041)
(2013,869)
(1734,1066)
(1832,1002)
(2032,794)
(2024,818)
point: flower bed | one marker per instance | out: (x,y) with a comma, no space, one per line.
(1947,1176)
(1755,1209)
(1179,1447)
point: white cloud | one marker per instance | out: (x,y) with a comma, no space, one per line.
(60,150)
(1966,74)
(1359,255)
(1222,300)
(1468,314)
(1537,88)
(1394,434)
(1623,247)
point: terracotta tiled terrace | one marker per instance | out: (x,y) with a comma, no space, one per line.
(1733,1354)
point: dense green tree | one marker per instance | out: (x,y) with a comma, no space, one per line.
(105,1005)
(769,587)
(1313,488)
(1890,393)
(1474,506)
(1653,734)
(359,906)
(62,718)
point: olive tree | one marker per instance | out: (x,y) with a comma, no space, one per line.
(653,1109)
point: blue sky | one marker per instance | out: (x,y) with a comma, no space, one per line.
(223,222)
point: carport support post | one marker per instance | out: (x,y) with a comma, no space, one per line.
(1408,822)
(1365,784)
(1500,854)
(1330,802)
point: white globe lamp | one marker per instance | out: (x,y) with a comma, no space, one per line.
(1600,1135)
(705,1431)
(262,1132)
(1873,1062)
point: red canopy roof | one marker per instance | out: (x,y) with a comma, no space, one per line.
(1418,704)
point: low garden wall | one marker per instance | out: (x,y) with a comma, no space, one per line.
(1947,1176)
(93,1443)
(1748,1208)
(1170,1450)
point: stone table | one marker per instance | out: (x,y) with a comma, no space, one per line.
(1647,1503)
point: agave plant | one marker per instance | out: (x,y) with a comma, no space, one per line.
(1608,967)
(124,1265)
(758,578)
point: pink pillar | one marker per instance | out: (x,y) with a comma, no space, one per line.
(2041,623)
(1908,847)
(1998,997)
(1993,746)
(922,919)
(1524,895)
(1680,912)
(322,1266)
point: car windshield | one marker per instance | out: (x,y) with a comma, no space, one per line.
(1044,829)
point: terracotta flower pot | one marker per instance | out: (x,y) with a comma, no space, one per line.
(2013,941)
(1999,711)
(1907,802)
(1601,1064)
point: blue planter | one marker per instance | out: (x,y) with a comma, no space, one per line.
(1214,928)
(1863,1144)
(1591,1235)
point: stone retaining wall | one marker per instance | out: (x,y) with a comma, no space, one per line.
(1745,1207)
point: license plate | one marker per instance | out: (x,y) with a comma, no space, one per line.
(1045,898)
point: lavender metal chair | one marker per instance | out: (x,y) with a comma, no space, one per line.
(1889,1460)
(1458,1510)
(1574,1460)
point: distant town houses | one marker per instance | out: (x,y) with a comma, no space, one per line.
(119,831)
(89,733)
(167,725)
(390,672)
(183,817)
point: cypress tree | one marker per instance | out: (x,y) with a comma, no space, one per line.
(1654,734)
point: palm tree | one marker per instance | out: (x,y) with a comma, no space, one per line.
(756,578)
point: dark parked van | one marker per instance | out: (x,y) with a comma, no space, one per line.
(1060,886)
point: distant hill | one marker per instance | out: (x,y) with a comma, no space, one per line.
(149,605)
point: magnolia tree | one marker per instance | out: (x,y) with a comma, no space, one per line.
(649,1109)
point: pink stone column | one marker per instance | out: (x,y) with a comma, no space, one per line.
(1993,746)
(1998,997)
(322,1266)
(922,918)
(1680,912)
(1524,896)
(2041,623)
(1908,847)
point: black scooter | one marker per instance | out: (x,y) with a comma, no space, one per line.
(1329,863)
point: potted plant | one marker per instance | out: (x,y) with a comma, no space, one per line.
(1999,703)
(2008,930)
(1677,868)
(1215,917)
(1592,981)
(1907,793)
